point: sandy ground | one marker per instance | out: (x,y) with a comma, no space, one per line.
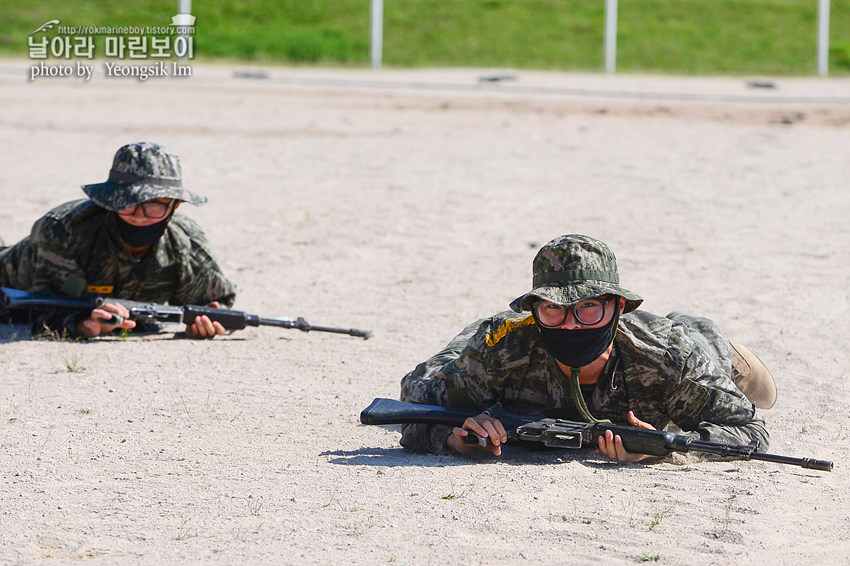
(411,203)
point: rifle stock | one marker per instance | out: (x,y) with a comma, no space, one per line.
(560,433)
(154,312)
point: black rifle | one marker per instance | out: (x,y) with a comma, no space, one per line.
(153,312)
(559,433)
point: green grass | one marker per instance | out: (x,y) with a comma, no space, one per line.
(739,37)
(721,36)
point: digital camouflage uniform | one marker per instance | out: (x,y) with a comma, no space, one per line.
(75,249)
(675,369)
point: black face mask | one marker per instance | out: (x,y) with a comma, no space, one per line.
(577,348)
(142,236)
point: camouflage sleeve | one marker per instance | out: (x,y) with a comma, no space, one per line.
(46,269)
(716,409)
(51,263)
(205,282)
(201,279)
(16,265)
(455,377)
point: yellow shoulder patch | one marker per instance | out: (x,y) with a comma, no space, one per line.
(99,289)
(508,326)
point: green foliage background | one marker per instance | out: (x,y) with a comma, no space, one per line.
(764,37)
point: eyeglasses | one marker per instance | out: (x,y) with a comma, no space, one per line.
(150,208)
(587,312)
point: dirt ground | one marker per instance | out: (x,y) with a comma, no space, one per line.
(411,203)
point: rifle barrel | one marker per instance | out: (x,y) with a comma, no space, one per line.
(810,463)
(747,452)
(305,326)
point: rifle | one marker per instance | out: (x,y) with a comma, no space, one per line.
(154,312)
(560,433)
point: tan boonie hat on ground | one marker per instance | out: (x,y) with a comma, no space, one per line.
(571,268)
(141,171)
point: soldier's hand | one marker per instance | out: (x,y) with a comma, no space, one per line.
(484,426)
(105,318)
(203,327)
(611,445)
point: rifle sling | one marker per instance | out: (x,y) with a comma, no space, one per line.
(578,399)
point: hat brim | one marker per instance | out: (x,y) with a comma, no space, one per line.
(573,293)
(118,196)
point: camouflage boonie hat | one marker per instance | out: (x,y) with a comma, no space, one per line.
(141,171)
(571,268)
